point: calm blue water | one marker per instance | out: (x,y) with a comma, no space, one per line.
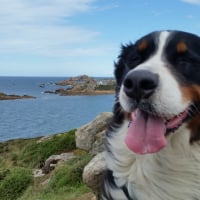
(48,113)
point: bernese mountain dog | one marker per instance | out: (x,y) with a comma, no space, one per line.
(153,141)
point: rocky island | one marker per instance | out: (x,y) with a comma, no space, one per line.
(4,96)
(85,85)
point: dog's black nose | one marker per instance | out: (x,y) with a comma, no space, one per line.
(140,84)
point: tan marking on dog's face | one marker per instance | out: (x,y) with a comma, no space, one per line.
(181,47)
(143,45)
(191,93)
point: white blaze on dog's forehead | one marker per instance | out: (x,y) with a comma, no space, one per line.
(155,61)
(168,97)
(162,42)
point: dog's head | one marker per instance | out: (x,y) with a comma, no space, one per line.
(158,85)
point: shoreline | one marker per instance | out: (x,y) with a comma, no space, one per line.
(87,93)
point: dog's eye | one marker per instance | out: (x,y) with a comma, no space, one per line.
(184,64)
(182,61)
(134,61)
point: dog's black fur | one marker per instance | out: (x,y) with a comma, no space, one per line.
(181,58)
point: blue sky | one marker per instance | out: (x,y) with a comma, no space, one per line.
(73,37)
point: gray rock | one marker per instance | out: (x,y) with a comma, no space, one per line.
(53,160)
(62,157)
(93,172)
(91,135)
(98,145)
(38,173)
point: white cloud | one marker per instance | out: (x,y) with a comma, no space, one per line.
(192,1)
(32,11)
(43,27)
(33,38)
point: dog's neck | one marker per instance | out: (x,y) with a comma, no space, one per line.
(172,173)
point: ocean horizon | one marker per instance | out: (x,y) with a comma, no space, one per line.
(48,113)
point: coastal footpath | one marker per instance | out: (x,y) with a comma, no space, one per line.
(65,166)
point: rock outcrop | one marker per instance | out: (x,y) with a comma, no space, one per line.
(90,137)
(80,83)
(93,172)
(54,160)
(85,85)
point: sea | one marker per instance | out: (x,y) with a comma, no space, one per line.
(48,113)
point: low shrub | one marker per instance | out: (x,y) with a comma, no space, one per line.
(14,183)
(35,154)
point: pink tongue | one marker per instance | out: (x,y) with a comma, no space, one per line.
(146,133)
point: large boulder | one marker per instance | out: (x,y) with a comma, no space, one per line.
(90,137)
(93,172)
(98,145)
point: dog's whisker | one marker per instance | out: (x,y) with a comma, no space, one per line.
(197,109)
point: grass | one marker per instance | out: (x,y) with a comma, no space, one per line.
(14,182)
(69,175)
(106,87)
(62,194)
(10,150)
(19,157)
(65,183)
(35,154)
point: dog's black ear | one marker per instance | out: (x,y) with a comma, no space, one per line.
(124,63)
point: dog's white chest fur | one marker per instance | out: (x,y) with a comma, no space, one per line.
(171,174)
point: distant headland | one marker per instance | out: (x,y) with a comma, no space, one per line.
(4,96)
(78,85)
(85,85)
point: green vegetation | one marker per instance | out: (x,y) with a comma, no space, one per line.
(106,87)
(69,175)
(14,183)
(35,154)
(65,182)
(18,158)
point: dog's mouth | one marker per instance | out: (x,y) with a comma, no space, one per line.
(147,132)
